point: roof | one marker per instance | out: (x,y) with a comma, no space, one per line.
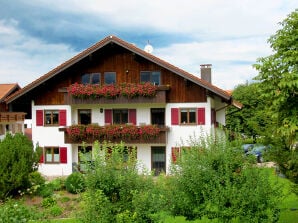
(113,39)
(7,89)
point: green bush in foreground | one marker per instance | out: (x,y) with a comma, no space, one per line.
(17,161)
(214,180)
(75,183)
(15,212)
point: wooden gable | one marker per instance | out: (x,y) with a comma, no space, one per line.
(116,55)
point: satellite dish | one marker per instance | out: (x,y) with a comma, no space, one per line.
(148,48)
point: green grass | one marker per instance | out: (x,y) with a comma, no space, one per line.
(289,205)
(65,220)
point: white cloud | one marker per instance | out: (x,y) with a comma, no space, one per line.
(24,59)
(229,34)
(232,59)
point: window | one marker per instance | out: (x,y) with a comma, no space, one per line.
(158,158)
(158,116)
(85,158)
(120,116)
(110,77)
(51,117)
(150,76)
(93,78)
(84,116)
(52,155)
(188,116)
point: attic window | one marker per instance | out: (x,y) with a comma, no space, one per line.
(110,77)
(150,76)
(92,78)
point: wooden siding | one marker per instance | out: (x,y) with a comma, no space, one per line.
(117,59)
(11,117)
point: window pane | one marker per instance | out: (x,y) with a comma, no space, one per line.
(95,78)
(85,117)
(183,116)
(48,115)
(145,76)
(86,79)
(116,116)
(55,117)
(120,116)
(110,77)
(192,116)
(155,79)
(56,154)
(49,155)
(124,116)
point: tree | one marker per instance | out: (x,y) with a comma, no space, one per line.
(17,160)
(278,76)
(251,119)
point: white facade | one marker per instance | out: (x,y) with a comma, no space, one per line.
(178,135)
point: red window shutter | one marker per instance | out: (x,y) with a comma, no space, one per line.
(201,116)
(41,159)
(174,116)
(62,117)
(175,154)
(108,116)
(39,117)
(132,116)
(63,154)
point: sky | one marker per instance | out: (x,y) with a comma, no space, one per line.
(38,35)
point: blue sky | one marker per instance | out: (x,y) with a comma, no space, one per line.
(38,35)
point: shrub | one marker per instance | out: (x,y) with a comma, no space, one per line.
(46,190)
(58,184)
(55,210)
(214,180)
(75,183)
(36,181)
(48,202)
(17,161)
(16,212)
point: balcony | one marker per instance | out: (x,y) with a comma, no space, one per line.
(128,134)
(10,117)
(118,97)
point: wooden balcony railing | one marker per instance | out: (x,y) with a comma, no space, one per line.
(10,117)
(160,97)
(160,138)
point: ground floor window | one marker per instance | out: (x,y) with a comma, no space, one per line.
(158,158)
(52,155)
(85,157)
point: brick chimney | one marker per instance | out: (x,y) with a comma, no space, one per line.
(206,72)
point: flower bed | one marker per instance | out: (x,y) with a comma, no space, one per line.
(109,132)
(128,90)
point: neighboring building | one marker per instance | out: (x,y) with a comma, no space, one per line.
(12,122)
(184,105)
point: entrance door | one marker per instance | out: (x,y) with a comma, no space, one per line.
(158,157)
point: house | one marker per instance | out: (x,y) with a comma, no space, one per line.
(12,122)
(115,91)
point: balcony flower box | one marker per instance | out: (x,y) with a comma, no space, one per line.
(129,90)
(112,132)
